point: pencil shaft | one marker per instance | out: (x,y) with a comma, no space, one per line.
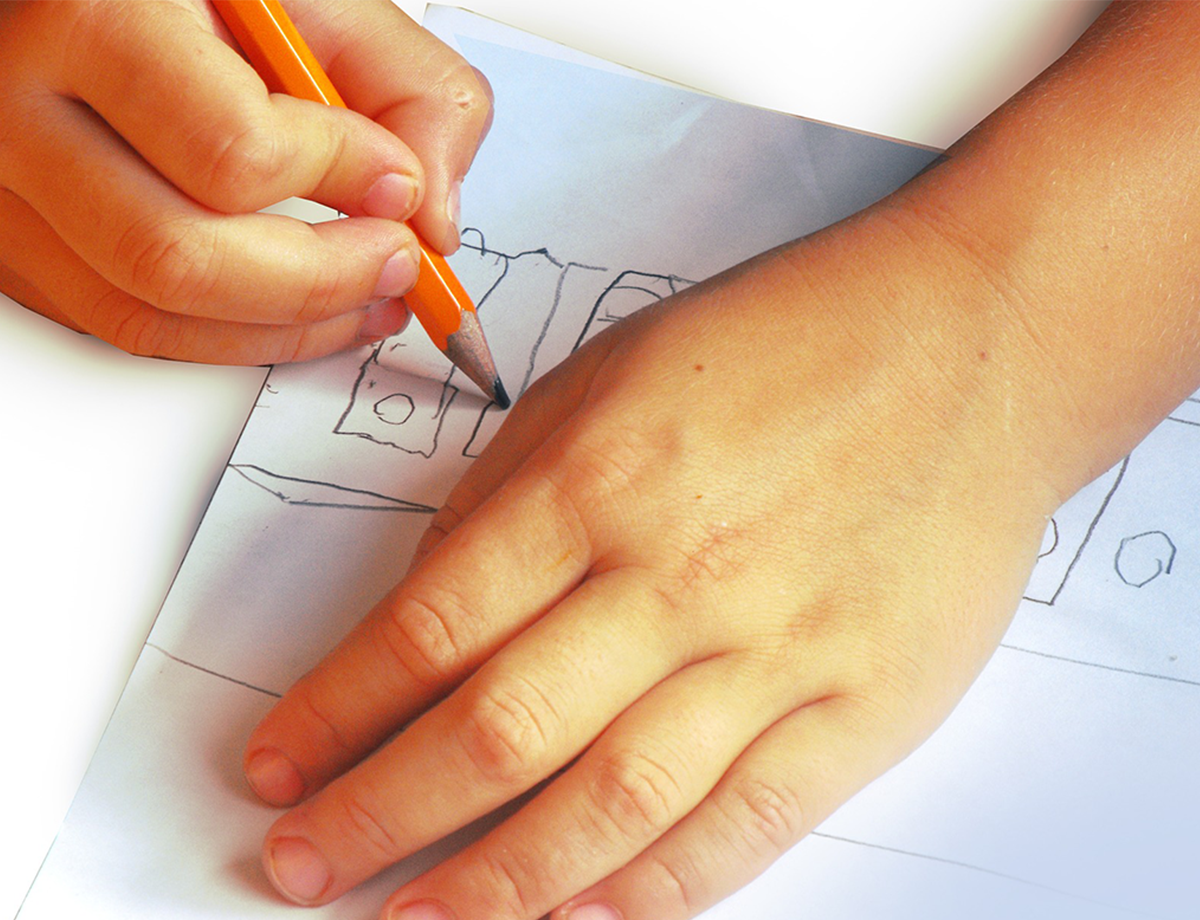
(285,63)
(276,50)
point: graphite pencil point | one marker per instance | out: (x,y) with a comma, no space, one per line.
(500,395)
(468,351)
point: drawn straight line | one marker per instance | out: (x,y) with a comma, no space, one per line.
(1189,405)
(564,270)
(484,251)
(986,871)
(371,501)
(1103,667)
(1091,529)
(193,665)
(541,336)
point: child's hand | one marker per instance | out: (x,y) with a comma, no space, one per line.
(731,561)
(136,145)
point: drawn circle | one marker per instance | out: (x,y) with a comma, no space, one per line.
(395,409)
(1144,557)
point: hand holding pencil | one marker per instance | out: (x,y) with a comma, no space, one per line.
(132,168)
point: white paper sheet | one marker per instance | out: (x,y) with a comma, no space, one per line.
(1062,787)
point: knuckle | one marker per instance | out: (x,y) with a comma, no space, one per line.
(341,259)
(243,169)
(422,638)
(327,290)
(569,516)
(678,887)
(293,344)
(318,717)
(363,821)
(508,732)
(506,885)
(768,815)
(171,263)
(610,465)
(136,327)
(138,331)
(639,797)
(461,92)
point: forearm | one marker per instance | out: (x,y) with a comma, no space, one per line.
(1078,205)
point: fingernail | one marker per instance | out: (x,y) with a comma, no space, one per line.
(393,196)
(593,911)
(383,319)
(399,274)
(454,215)
(298,870)
(274,778)
(420,910)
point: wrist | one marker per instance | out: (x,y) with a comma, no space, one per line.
(946,329)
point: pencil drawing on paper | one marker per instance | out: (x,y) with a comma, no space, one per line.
(1188,412)
(547,306)
(1068,534)
(1144,557)
(407,412)
(542,306)
(292,490)
(1139,555)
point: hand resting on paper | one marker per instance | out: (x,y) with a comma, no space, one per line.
(744,551)
(136,146)
(732,578)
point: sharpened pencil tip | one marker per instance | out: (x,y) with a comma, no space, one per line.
(469,352)
(500,395)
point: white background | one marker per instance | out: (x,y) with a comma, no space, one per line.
(106,461)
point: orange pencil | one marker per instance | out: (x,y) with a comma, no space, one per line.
(285,63)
